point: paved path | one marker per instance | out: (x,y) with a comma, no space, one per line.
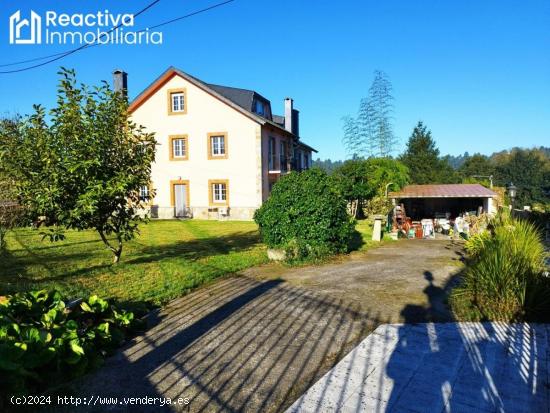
(447,367)
(236,345)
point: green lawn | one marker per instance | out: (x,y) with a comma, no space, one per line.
(364,227)
(167,260)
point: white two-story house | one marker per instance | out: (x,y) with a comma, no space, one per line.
(220,149)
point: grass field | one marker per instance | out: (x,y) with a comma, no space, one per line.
(167,260)
(364,228)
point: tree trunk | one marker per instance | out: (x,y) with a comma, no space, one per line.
(117,252)
(2,238)
(355,207)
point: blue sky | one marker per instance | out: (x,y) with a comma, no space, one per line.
(476,72)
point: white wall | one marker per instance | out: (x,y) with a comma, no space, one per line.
(205,114)
(489,206)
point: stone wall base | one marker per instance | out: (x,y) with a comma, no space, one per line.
(234,213)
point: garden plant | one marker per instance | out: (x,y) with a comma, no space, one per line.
(306,216)
(44,343)
(505,278)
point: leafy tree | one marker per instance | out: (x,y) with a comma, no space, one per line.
(477,168)
(380,112)
(352,179)
(477,164)
(361,180)
(10,210)
(84,167)
(353,142)
(529,170)
(421,156)
(383,171)
(422,159)
(305,215)
(457,161)
(447,174)
(371,132)
(384,174)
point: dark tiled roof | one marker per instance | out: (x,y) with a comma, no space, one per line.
(241,97)
(278,119)
(443,191)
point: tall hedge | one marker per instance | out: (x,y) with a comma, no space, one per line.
(305,215)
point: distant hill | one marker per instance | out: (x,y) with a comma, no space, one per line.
(327,165)
(457,161)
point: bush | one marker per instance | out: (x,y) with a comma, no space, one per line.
(306,216)
(476,243)
(43,343)
(504,278)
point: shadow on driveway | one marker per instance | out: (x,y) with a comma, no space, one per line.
(439,367)
(238,345)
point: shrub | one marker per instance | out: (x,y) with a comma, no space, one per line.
(504,279)
(306,216)
(43,343)
(476,243)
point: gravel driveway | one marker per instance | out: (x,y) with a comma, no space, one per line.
(403,281)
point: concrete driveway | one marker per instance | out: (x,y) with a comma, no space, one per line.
(445,367)
(258,341)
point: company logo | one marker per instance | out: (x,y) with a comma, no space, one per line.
(19,27)
(101,27)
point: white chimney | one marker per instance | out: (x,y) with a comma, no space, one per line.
(288,114)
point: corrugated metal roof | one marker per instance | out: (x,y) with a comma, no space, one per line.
(444,191)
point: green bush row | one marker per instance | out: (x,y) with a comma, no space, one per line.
(43,343)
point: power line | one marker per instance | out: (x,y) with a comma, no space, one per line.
(61,55)
(33,60)
(189,15)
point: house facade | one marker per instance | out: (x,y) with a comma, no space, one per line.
(220,149)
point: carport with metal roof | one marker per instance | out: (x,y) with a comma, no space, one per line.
(429,201)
